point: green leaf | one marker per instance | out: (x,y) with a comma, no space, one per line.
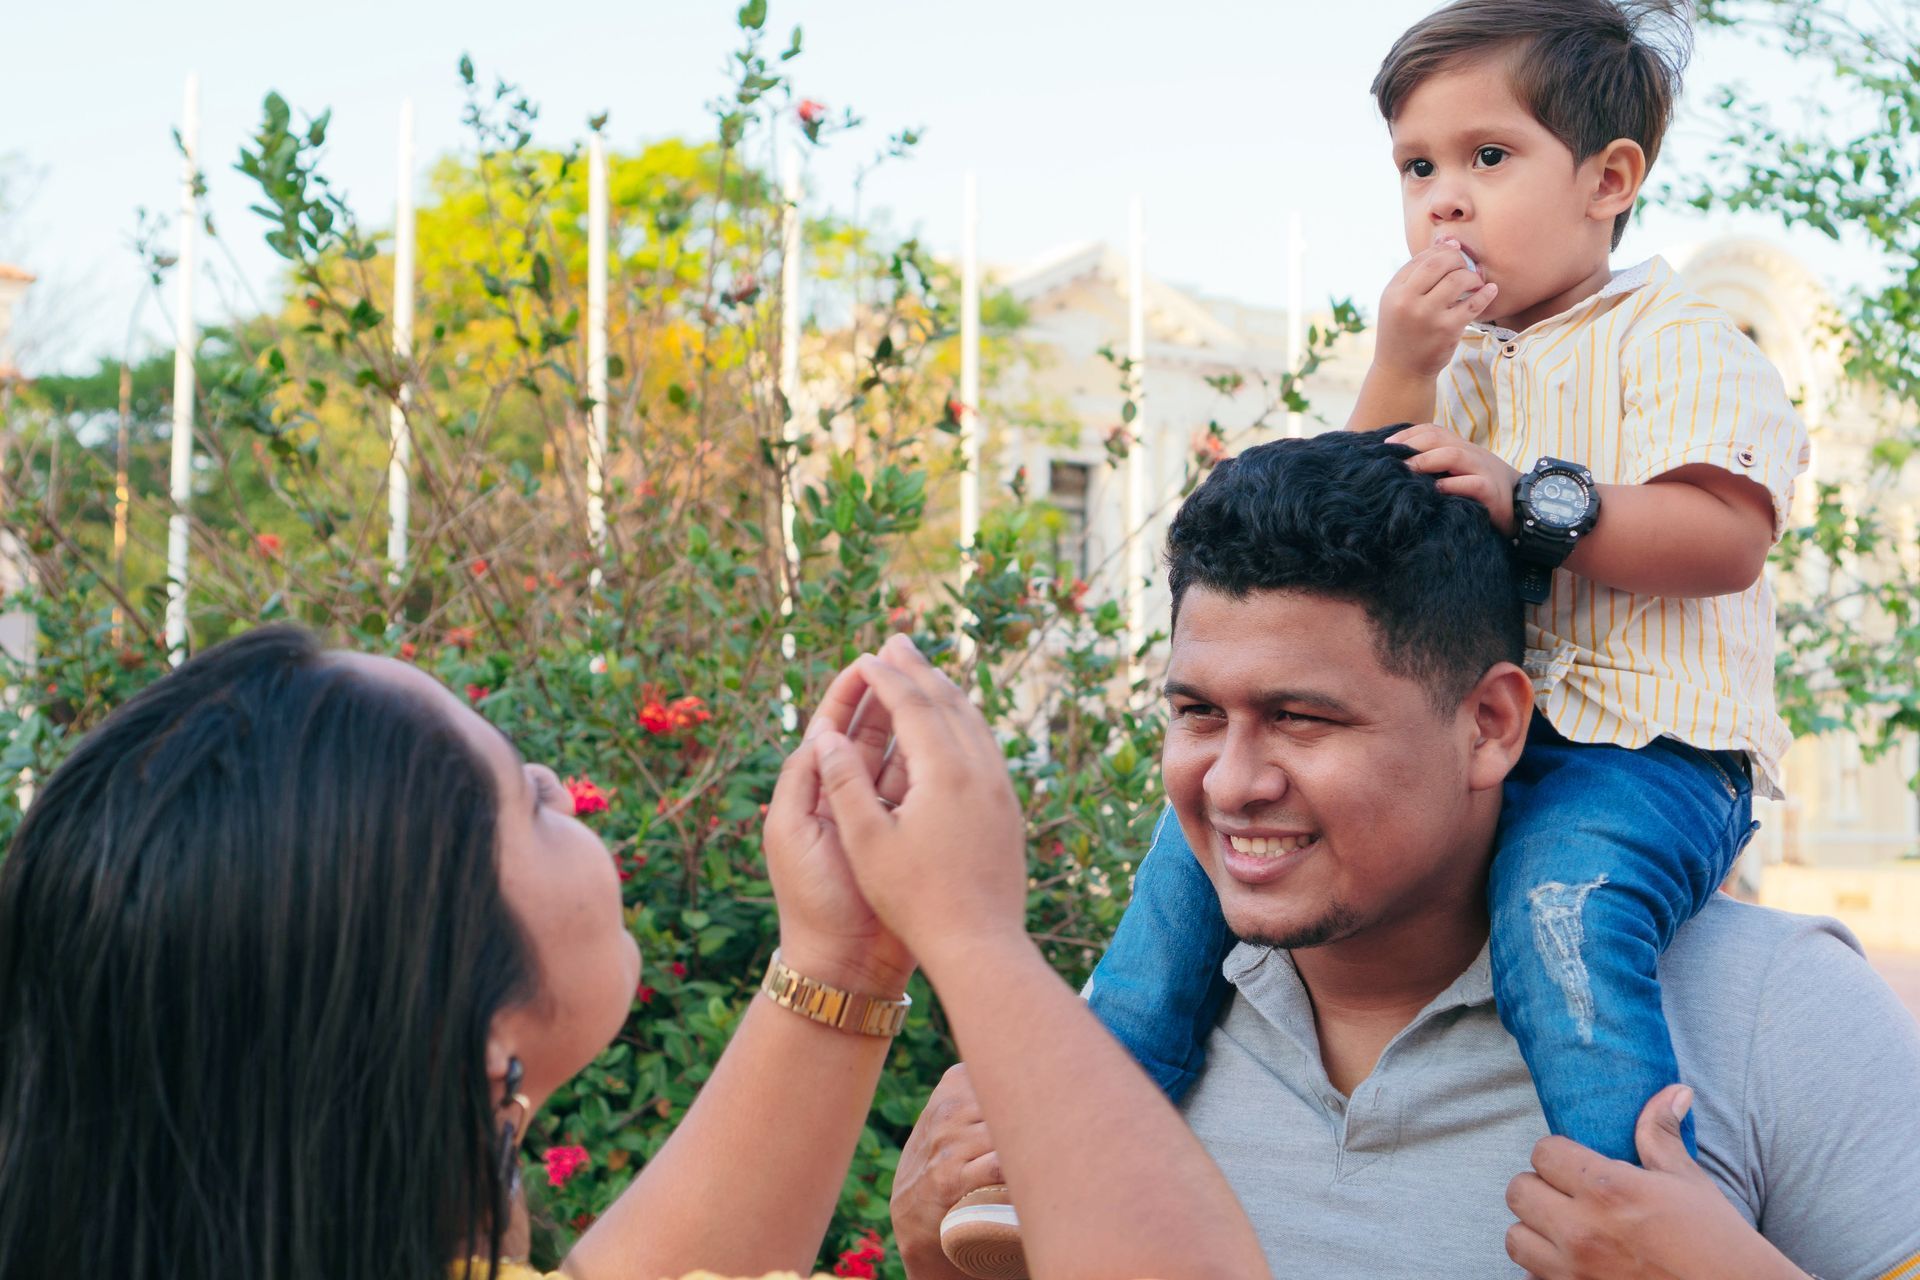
(753,15)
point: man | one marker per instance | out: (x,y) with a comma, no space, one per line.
(1345,704)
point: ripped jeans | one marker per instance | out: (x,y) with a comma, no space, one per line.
(1603,852)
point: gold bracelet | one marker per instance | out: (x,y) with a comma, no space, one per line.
(843,1010)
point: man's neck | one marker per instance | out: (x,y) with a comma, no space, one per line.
(1366,989)
(1566,299)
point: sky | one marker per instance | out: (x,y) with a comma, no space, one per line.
(1225,116)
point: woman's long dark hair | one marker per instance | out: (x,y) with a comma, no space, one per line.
(251,942)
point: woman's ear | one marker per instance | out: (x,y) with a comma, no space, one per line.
(1502,709)
(1618,170)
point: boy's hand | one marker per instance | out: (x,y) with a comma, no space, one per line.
(1426,307)
(1585,1217)
(1467,469)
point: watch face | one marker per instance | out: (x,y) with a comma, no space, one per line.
(1558,500)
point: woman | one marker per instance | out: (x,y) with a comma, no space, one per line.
(294,944)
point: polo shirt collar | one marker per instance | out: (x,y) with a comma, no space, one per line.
(1269,980)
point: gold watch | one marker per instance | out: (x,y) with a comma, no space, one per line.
(843,1010)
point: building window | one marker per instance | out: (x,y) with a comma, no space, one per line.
(1069,485)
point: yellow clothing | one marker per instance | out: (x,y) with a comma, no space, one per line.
(1632,383)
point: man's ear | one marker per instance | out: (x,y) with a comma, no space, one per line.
(1501,709)
(1617,170)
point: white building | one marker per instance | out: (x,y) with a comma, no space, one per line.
(1846,841)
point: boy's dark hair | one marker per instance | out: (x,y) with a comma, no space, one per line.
(1342,515)
(1589,70)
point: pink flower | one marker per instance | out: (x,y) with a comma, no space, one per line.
(588,798)
(563,1163)
(678,968)
(645,994)
(811,112)
(267,543)
(477,693)
(408,649)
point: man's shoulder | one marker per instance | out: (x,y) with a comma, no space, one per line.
(1734,960)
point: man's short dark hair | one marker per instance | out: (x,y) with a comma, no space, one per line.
(1342,515)
(1590,71)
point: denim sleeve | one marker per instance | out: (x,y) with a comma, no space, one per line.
(1159,987)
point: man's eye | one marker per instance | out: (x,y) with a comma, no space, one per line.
(1294,717)
(1419,168)
(1490,156)
(1193,709)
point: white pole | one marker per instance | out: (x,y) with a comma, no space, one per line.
(597,351)
(1138,451)
(400,459)
(1296,255)
(969,379)
(185,338)
(790,193)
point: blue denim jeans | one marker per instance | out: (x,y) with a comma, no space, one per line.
(1602,853)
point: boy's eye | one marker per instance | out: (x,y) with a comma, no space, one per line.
(1488,157)
(1419,168)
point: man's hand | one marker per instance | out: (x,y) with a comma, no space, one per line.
(1426,307)
(949,1154)
(1585,1217)
(1467,470)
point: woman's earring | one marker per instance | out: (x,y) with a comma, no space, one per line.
(509,1153)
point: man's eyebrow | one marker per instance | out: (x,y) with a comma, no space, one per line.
(1313,698)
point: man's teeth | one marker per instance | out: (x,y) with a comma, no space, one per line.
(1269,845)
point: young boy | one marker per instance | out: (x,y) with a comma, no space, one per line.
(1640,452)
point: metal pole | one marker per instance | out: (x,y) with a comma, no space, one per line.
(1296,255)
(185,339)
(400,456)
(597,352)
(969,384)
(790,226)
(1137,451)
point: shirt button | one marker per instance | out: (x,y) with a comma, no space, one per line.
(1511,349)
(1746,456)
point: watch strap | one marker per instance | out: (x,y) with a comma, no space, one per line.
(850,1011)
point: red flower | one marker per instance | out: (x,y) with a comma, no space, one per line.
(478,568)
(901,619)
(563,1163)
(460,637)
(1209,448)
(477,693)
(745,289)
(679,968)
(407,650)
(658,716)
(268,544)
(587,797)
(1074,598)
(645,994)
(956,409)
(655,718)
(530,583)
(811,112)
(860,1260)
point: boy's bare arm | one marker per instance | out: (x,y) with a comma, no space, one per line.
(1694,531)
(1388,396)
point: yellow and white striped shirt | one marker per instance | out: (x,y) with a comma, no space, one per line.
(1635,381)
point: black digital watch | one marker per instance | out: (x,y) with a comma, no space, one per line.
(1553,505)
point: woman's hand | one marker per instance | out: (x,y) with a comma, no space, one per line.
(947,868)
(827,930)
(1585,1217)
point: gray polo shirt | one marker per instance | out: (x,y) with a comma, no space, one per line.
(1805,1066)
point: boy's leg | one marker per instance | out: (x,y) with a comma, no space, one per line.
(1603,852)
(1159,987)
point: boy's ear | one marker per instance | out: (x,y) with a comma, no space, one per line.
(1618,169)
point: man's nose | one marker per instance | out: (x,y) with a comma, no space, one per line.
(1242,777)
